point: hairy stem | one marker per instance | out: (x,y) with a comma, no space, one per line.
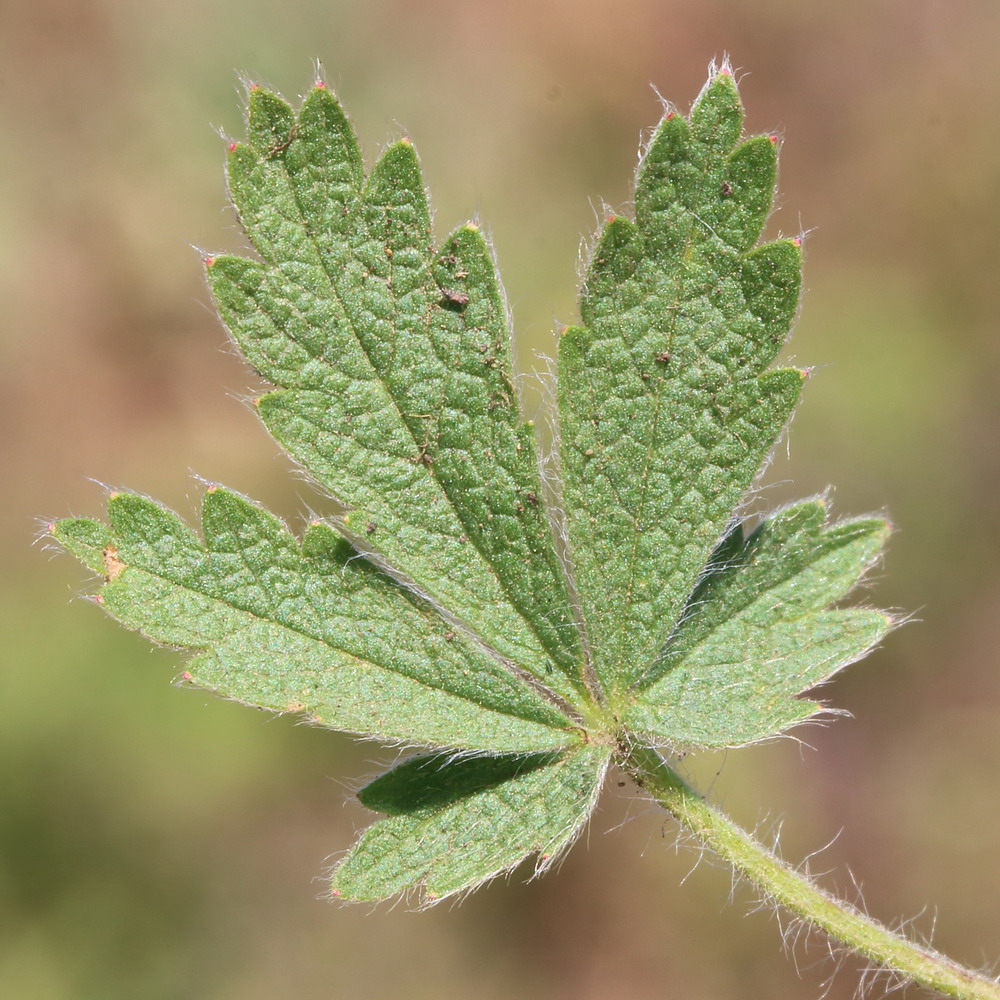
(798,893)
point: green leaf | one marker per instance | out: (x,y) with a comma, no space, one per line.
(456,822)
(394,366)
(453,606)
(755,634)
(307,627)
(667,406)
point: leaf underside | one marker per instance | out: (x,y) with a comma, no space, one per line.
(454,823)
(440,611)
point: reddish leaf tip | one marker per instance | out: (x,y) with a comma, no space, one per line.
(320,85)
(208,261)
(232,147)
(98,598)
(774,140)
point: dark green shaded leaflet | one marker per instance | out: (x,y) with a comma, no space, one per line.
(306,627)
(455,822)
(666,409)
(755,634)
(394,365)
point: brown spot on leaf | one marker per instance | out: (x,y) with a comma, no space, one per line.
(112,564)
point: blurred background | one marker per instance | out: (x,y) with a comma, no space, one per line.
(159,844)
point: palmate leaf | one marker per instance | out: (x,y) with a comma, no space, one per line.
(447,608)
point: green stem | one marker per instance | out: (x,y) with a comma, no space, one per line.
(795,891)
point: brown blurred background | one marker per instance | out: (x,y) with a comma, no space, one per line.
(160,844)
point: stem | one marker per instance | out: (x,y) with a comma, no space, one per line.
(797,892)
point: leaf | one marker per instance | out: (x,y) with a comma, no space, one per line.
(306,627)
(394,366)
(455,822)
(755,634)
(453,606)
(667,406)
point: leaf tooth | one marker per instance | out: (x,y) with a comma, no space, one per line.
(270,122)
(396,207)
(717,114)
(668,176)
(85,538)
(800,532)
(806,517)
(614,260)
(849,633)
(466,273)
(779,390)
(325,136)
(241,157)
(756,413)
(150,535)
(771,280)
(747,191)
(233,523)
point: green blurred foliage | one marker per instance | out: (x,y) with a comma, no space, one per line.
(157,843)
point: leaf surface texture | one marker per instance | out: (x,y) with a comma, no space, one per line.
(521,624)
